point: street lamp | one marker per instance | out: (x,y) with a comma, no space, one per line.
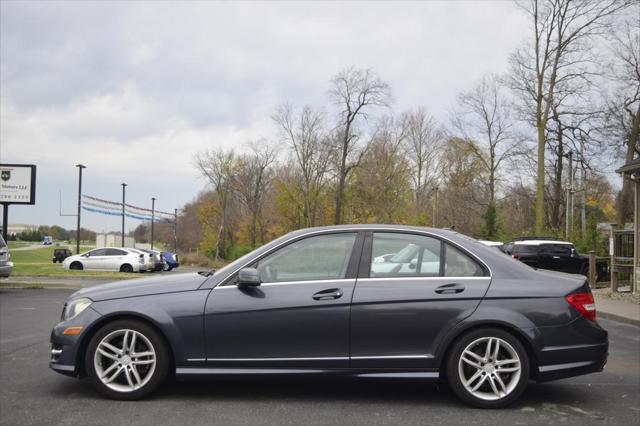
(153,209)
(80,167)
(124,185)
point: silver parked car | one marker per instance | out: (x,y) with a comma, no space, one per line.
(6,266)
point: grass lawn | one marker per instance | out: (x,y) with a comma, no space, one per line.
(37,263)
(16,244)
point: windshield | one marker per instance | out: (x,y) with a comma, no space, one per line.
(2,243)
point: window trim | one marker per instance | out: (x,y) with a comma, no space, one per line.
(364,272)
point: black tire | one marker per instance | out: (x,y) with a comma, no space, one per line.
(169,268)
(159,374)
(453,376)
(77,266)
(126,268)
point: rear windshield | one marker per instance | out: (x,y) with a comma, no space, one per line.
(525,249)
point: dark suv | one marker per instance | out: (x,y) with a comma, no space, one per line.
(554,255)
(59,255)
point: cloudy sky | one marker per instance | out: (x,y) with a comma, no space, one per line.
(135,90)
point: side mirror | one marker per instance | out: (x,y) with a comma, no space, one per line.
(249,277)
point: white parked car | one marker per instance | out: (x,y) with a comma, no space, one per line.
(405,262)
(148,259)
(107,259)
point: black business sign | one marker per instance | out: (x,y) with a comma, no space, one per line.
(17,184)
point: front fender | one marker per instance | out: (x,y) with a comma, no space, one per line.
(178,316)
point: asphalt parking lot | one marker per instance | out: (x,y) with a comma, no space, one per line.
(30,393)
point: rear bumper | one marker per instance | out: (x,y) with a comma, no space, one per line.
(580,347)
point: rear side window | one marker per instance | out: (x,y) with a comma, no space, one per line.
(116,252)
(557,249)
(524,249)
(396,255)
(458,264)
(404,255)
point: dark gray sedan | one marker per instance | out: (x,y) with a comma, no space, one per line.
(367,301)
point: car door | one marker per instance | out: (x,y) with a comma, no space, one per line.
(115,258)
(298,316)
(398,314)
(94,259)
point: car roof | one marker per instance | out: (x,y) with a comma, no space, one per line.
(538,242)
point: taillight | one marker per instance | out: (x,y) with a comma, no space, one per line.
(515,256)
(584,303)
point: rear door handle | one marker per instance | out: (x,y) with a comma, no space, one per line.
(329,294)
(452,288)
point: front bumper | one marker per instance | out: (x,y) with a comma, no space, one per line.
(66,357)
(5,270)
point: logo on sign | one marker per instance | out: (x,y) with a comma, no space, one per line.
(5,175)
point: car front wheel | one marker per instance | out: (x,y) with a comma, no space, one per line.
(488,368)
(127,360)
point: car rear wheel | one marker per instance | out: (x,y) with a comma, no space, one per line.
(488,368)
(126,268)
(77,266)
(127,360)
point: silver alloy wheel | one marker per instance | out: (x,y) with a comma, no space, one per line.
(489,368)
(125,360)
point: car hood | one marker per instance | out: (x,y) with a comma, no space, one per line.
(142,287)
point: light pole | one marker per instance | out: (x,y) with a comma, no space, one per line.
(80,167)
(153,210)
(175,231)
(435,207)
(124,185)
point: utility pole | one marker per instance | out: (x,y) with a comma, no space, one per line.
(175,230)
(124,185)
(569,210)
(80,167)
(153,210)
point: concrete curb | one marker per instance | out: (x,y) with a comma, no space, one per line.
(618,318)
(35,284)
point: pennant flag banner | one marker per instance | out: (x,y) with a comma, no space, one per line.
(111,208)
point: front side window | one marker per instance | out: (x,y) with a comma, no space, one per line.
(322,257)
(98,252)
(404,255)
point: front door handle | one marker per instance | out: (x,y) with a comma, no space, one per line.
(329,294)
(452,288)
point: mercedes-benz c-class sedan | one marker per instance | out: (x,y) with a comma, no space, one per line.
(337,301)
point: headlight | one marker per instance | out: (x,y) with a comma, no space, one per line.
(74,308)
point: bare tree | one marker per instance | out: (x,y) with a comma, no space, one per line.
(382,185)
(251,177)
(217,166)
(306,136)
(423,138)
(623,112)
(354,91)
(483,115)
(562,29)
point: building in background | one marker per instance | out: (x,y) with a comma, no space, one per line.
(114,240)
(631,170)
